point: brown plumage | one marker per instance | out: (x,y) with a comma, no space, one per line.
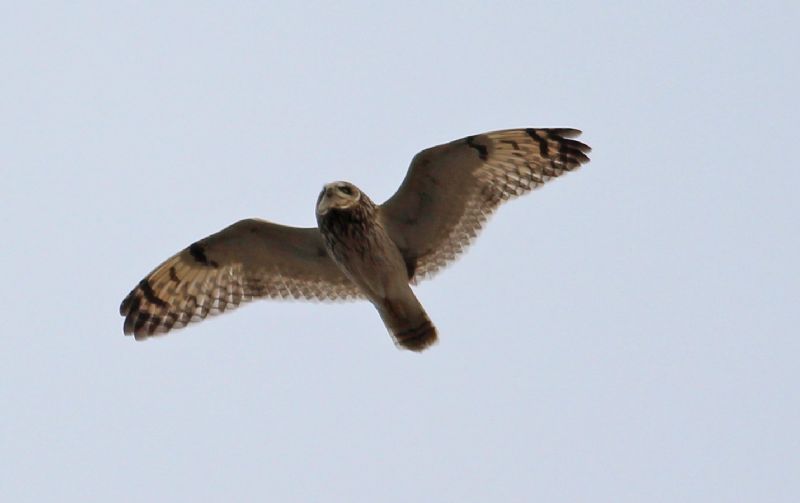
(357,241)
(359,250)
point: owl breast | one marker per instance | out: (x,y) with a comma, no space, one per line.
(363,250)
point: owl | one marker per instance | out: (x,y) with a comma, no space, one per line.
(359,250)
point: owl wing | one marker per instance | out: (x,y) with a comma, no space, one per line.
(450,190)
(250,259)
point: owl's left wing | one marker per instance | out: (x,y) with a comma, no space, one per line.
(249,259)
(450,190)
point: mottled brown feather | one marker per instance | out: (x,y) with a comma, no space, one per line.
(250,259)
(447,195)
(450,190)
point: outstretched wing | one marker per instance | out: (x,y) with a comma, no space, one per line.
(450,190)
(250,259)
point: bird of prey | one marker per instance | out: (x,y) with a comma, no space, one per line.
(359,250)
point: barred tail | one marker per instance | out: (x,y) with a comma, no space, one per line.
(408,322)
(416,338)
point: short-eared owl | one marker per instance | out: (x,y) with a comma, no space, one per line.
(359,250)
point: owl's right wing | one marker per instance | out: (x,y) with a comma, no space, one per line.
(250,259)
(450,190)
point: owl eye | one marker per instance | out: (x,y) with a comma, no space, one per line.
(346,190)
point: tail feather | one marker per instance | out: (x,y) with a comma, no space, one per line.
(417,338)
(408,322)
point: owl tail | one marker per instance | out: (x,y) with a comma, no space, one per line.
(408,322)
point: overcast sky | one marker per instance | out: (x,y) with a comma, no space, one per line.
(628,333)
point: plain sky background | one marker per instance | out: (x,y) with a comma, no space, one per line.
(628,333)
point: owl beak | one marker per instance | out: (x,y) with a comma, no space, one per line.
(325,202)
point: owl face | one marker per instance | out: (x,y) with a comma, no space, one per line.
(339,196)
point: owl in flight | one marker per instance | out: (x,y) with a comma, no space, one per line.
(359,249)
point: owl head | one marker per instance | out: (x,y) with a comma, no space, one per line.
(339,196)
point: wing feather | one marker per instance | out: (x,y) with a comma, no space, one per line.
(452,189)
(247,260)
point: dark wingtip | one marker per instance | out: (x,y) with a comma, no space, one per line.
(129,308)
(127,325)
(125,304)
(565,132)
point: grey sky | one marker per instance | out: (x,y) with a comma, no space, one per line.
(626,334)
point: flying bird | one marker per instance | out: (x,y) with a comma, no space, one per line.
(359,249)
